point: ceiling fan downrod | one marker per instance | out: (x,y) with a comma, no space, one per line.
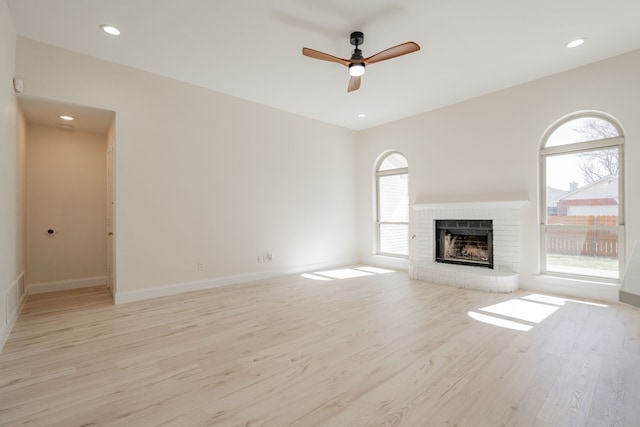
(356,69)
(357,38)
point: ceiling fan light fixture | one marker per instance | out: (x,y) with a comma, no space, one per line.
(356,69)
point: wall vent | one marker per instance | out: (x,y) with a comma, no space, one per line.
(21,290)
(14,297)
(12,302)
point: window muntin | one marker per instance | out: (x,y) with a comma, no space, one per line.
(393,161)
(582,129)
(392,221)
(582,220)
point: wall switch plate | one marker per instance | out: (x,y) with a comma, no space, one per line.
(201,266)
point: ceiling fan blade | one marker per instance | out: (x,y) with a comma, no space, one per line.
(324,56)
(393,52)
(354,83)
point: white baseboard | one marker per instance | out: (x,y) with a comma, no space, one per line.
(382,261)
(15,298)
(629,298)
(64,285)
(217,282)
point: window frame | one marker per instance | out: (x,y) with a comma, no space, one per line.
(378,222)
(617,142)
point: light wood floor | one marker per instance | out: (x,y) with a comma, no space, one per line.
(375,350)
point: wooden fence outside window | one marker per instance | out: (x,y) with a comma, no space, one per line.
(588,240)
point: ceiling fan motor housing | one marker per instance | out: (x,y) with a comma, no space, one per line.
(357,38)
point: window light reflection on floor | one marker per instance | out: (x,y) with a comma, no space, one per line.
(528,311)
(559,301)
(497,321)
(375,270)
(314,276)
(346,273)
(524,313)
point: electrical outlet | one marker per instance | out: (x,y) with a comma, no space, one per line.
(201,266)
(265,258)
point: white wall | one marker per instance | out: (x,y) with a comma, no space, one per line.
(487,149)
(67,193)
(12,241)
(205,177)
(202,176)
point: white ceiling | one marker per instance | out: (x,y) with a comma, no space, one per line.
(47,113)
(252,49)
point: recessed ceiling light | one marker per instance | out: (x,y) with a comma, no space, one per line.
(362,115)
(67,118)
(575,43)
(110,29)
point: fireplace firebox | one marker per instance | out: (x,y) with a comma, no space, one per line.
(464,241)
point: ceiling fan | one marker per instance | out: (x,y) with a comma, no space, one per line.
(357,62)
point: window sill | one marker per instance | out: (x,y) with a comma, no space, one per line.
(584,288)
(577,280)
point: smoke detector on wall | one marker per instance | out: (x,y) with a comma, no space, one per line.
(18,86)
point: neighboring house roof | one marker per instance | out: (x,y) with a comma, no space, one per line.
(604,188)
(553,195)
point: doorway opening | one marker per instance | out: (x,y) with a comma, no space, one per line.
(70,213)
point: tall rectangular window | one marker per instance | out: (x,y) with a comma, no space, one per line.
(582,225)
(392,182)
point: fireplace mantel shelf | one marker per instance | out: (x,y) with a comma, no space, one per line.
(493,204)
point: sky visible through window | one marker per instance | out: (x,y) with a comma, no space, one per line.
(562,170)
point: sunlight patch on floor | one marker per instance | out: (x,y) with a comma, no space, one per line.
(346,273)
(497,321)
(528,311)
(558,301)
(375,270)
(522,314)
(314,276)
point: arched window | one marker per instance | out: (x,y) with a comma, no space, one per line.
(392,205)
(582,225)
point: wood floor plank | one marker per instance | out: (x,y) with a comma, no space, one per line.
(363,351)
(619,374)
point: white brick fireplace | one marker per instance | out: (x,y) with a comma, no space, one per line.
(506,245)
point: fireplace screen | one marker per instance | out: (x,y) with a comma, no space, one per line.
(466,242)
